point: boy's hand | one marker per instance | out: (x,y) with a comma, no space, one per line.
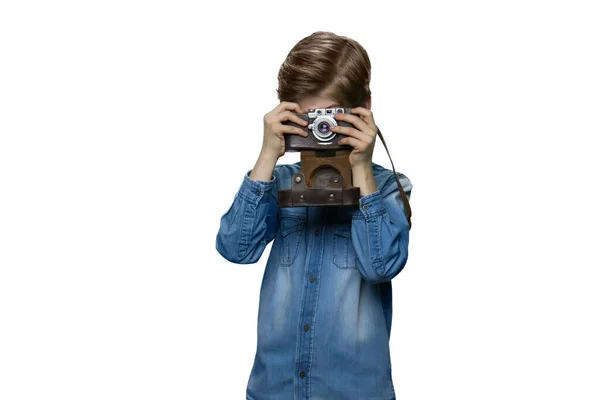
(273,140)
(361,136)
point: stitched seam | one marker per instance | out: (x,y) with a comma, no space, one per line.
(376,214)
(285,262)
(247,198)
(248,221)
(378,222)
(341,258)
(316,308)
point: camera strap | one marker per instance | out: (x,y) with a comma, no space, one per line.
(407,209)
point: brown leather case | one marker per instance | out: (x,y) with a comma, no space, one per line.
(324,179)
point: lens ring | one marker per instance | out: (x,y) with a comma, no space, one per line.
(322,128)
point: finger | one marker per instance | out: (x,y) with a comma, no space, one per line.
(357,144)
(289,129)
(354,120)
(366,115)
(290,116)
(350,131)
(287,105)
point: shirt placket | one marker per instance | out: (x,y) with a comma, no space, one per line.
(310,276)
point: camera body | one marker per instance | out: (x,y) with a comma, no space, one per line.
(320,137)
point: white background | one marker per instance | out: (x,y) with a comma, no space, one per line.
(126,128)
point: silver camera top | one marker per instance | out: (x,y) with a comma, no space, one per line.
(315,112)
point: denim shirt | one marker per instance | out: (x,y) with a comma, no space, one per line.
(325,307)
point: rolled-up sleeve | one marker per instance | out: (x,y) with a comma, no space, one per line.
(250,223)
(380,231)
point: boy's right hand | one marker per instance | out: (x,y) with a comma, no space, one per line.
(273,139)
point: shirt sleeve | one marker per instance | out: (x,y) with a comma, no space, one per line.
(380,231)
(251,221)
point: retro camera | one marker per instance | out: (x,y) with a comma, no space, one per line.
(320,136)
(325,176)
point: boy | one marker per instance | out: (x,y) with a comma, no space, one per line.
(325,308)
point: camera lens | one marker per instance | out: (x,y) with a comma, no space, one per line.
(324,127)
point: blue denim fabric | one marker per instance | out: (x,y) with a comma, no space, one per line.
(325,307)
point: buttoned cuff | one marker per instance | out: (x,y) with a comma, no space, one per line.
(371,205)
(256,191)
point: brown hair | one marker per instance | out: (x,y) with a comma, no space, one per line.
(328,65)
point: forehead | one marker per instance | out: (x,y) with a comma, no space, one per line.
(316,102)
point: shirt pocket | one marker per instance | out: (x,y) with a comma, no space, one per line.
(344,255)
(291,227)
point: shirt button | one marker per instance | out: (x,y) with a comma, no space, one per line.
(317,233)
(305,327)
(366,207)
(257,191)
(311,279)
(302,374)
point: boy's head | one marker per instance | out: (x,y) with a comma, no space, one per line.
(325,69)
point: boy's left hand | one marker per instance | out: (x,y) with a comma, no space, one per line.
(361,136)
